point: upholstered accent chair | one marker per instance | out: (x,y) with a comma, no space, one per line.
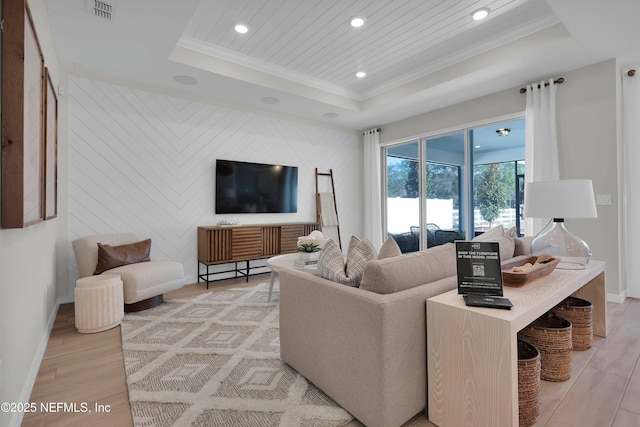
(144,283)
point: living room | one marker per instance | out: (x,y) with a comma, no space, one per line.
(162,186)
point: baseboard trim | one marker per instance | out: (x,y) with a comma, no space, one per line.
(617,298)
(30,381)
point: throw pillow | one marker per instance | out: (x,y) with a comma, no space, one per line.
(357,260)
(507,244)
(115,256)
(492,233)
(353,241)
(389,249)
(332,266)
(331,262)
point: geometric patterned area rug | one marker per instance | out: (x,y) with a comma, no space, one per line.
(214,360)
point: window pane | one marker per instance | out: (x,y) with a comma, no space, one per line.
(497,155)
(445,166)
(403,202)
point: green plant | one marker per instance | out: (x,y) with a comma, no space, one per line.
(308,247)
(490,196)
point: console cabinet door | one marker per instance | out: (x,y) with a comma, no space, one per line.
(246,243)
(271,238)
(214,245)
(290,234)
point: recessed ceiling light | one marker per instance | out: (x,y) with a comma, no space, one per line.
(357,22)
(330,115)
(185,80)
(241,28)
(480,14)
(269,100)
(360,74)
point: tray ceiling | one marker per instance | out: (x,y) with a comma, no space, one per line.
(300,57)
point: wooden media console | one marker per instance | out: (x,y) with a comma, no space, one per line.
(234,244)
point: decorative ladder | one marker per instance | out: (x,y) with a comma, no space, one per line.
(327,209)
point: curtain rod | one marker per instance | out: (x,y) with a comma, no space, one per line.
(374,130)
(559,81)
(631,73)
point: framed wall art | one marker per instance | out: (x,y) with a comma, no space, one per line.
(50,202)
(23,89)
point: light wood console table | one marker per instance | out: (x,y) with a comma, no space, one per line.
(472,352)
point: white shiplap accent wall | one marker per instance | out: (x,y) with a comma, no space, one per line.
(144,162)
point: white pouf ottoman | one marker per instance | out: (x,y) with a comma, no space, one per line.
(99,303)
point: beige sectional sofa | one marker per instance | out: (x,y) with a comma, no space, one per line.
(365,347)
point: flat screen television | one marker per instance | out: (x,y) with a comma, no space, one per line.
(243,187)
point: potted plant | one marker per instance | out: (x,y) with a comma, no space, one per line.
(308,251)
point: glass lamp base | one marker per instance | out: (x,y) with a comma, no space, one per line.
(573,252)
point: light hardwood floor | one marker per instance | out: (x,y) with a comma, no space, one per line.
(604,389)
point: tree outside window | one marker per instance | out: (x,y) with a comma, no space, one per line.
(489,191)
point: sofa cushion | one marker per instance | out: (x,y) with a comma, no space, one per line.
(389,249)
(332,265)
(147,279)
(115,256)
(496,234)
(389,275)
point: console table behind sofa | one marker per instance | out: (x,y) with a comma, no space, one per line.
(235,244)
(472,352)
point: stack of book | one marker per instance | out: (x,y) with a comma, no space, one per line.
(311,263)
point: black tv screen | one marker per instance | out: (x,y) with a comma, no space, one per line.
(243,187)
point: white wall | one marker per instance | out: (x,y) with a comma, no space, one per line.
(143,161)
(588,139)
(31,269)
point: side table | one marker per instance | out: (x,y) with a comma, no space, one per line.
(280,262)
(98,303)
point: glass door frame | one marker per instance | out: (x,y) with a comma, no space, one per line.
(467,181)
(465,198)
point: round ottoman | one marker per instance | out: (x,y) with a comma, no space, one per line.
(99,303)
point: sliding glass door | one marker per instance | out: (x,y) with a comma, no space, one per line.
(445,167)
(455,186)
(498,153)
(403,195)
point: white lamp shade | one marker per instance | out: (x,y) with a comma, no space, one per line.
(567,198)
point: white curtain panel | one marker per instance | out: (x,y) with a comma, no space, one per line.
(631,138)
(372,188)
(541,144)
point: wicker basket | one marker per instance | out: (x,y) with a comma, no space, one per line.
(528,383)
(551,335)
(580,313)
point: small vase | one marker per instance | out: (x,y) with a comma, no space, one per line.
(308,256)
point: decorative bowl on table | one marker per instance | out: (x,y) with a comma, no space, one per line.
(521,272)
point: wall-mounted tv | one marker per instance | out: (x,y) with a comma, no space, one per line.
(243,187)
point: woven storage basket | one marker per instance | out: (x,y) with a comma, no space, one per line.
(580,313)
(551,335)
(528,383)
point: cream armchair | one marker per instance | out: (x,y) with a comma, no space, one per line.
(143,282)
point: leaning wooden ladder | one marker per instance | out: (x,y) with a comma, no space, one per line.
(327,210)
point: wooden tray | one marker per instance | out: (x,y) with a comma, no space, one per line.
(517,278)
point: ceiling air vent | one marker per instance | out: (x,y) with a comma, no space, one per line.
(100,9)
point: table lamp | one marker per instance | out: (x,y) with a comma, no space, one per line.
(569,198)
